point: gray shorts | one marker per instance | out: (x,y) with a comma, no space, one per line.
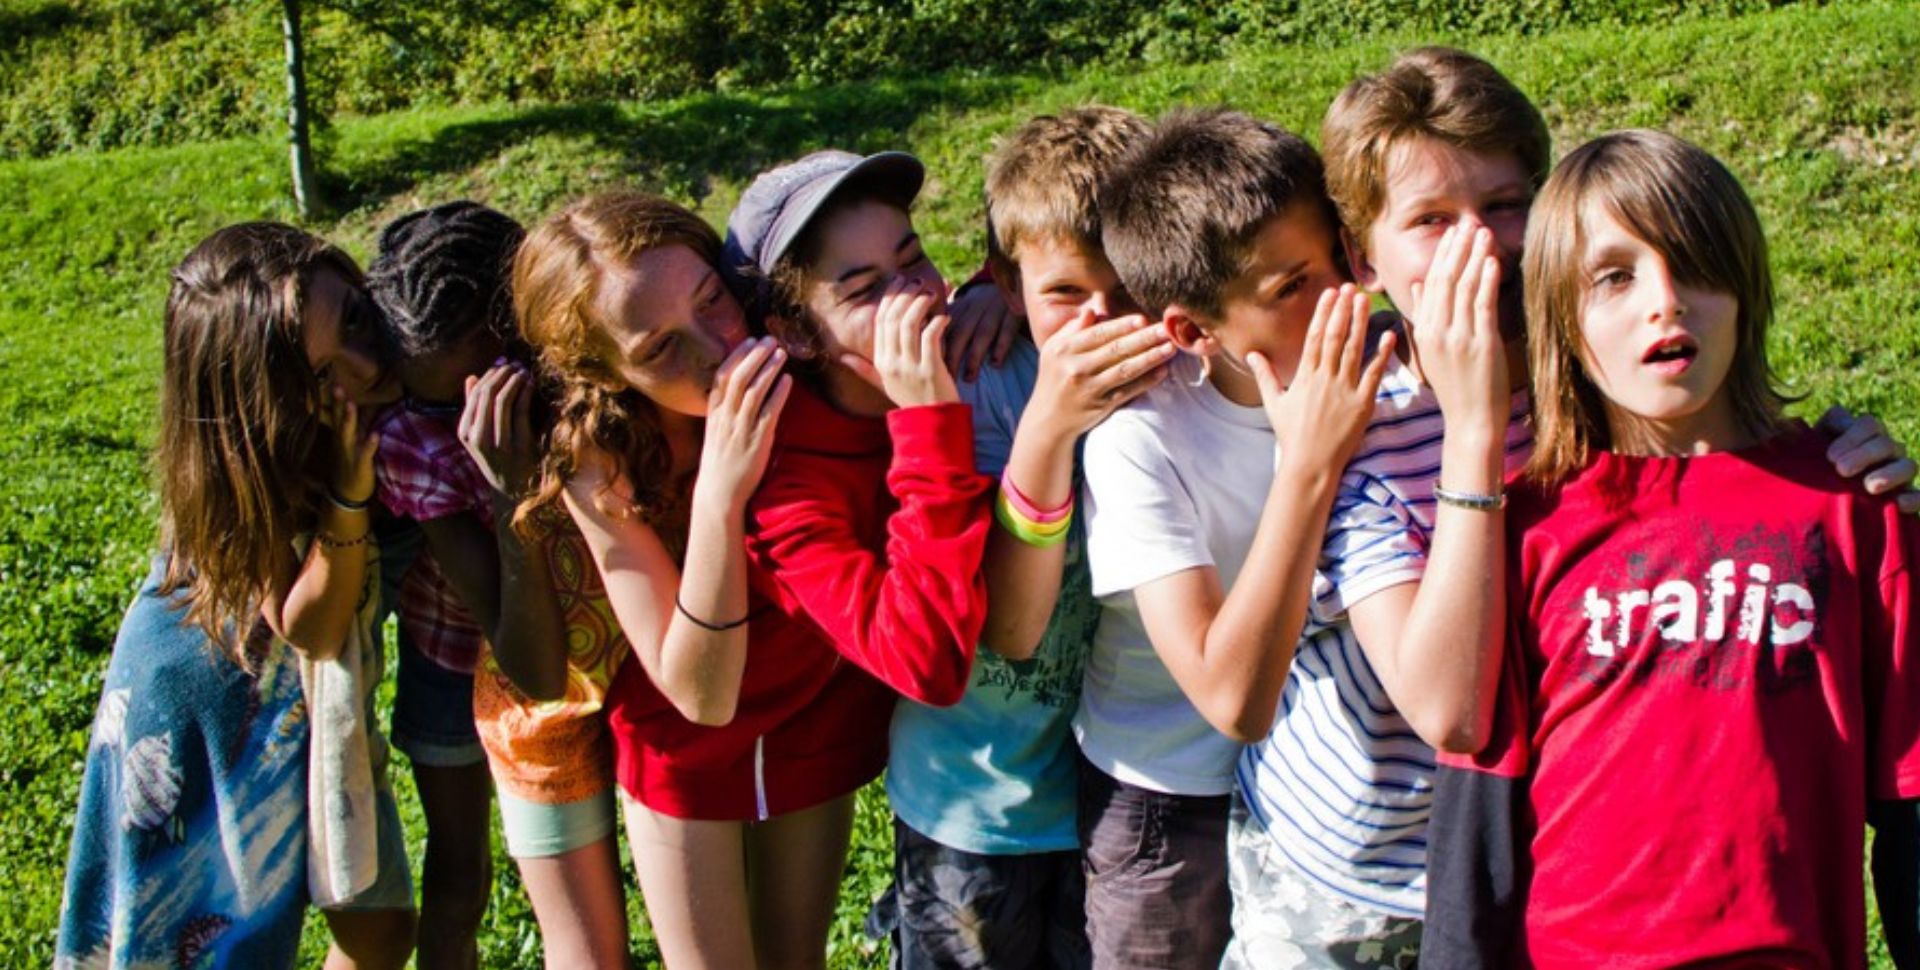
(1156,869)
(950,909)
(1284,921)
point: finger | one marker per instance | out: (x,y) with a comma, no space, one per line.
(1437,289)
(755,361)
(369,446)
(755,397)
(349,421)
(776,401)
(1119,396)
(1263,375)
(1310,348)
(466,408)
(1133,367)
(1486,301)
(1836,420)
(1467,288)
(1333,339)
(523,412)
(1355,353)
(1104,334)
(930,343)
(1862,429)
(1890,477)
(1377,367)
(966,318)
(503,410)
(1145,342)
(1876,450)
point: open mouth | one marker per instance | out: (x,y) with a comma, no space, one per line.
(1672,355)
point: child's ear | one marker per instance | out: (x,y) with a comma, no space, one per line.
(1363,271)
(1006,277)
(1186,332)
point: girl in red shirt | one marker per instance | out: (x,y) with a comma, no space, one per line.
(1710,685)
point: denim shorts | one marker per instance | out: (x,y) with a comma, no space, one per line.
(432,706)
(433,713)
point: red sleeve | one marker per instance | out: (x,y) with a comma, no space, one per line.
(1891,639)
(911,616)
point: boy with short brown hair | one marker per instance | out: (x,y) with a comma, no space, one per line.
(986,856)
(1202,542)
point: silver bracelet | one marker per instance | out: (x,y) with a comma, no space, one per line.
(1469,500)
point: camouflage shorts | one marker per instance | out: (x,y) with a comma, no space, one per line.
(1283,921)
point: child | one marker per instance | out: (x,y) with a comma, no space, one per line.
(738,743)
(1433,163)
(483,598)
(1709,679)
(265,482)
(986,860)
(1219,226)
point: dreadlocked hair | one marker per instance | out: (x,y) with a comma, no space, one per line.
(240,461)
(441,272)
(557,276)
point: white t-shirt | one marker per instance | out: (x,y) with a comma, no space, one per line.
(1175,480)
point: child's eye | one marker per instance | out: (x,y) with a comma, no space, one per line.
(712,297)
(1612,279)
(1292,286)
(658,351)
(1430,219)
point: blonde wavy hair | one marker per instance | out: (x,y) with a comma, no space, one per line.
(557,275)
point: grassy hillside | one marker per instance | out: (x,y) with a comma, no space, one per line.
(1815,108)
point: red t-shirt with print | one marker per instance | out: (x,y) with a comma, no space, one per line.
(1712,669)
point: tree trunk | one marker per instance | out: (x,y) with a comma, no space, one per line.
(306,194)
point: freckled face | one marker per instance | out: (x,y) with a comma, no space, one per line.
(866,246)
(337,333)
(671,322)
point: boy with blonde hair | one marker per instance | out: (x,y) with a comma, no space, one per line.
(986,858)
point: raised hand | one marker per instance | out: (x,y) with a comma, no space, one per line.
(1320,417)
(1088,369)
(496,426)
(1864,449)
(1455,327)
(353,451)
(907,330)
(984,328)
(742,411)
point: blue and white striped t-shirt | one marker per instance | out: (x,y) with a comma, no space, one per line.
(1343,786)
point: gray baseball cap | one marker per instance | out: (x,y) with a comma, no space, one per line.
(780,203)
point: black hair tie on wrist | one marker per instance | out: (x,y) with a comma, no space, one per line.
(704,625)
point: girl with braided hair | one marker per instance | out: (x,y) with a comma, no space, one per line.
(223,787)
(506,649)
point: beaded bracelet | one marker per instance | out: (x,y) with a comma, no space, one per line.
(1026,507)
(1038,534)
(329,542)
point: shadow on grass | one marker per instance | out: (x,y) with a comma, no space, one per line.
(680,147)
(20,24)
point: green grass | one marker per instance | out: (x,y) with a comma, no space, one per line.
(1815,108)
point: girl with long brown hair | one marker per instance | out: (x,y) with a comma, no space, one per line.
(197,838)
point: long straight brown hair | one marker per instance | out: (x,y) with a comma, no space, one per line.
(1688,207)
(241,462)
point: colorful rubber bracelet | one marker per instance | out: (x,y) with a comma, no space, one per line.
(1031,533)
(1026,507)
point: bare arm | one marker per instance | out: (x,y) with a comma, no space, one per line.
(1436,644)
(1230,650)
(1086,371)
(697,653)
(310,603)
(502,578)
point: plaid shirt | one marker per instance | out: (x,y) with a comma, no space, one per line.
(424,473)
